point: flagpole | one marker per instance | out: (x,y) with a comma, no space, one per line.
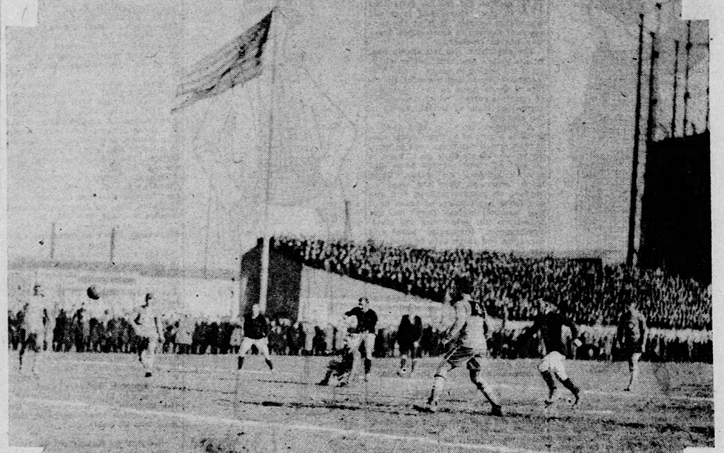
(264,277)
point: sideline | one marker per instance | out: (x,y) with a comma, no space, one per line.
(284,426)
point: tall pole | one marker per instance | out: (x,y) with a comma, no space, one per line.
(347,223)
(635,160)
(676,79)
(650,123)
(113,242)
(264,277)
(686,76)
(206,242)
(52,242)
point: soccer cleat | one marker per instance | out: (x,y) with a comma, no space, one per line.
(367,377)
(576,400)
(149,374)
(552,397)
(497,411)
(431,407)
(402,372)
(627,389)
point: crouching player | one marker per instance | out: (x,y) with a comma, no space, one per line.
(338,368)
(469,345)
(145,323)
(550,322)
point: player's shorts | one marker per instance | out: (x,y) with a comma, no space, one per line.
(634,357)
(407,348)
(554,363)
(146,343)
(354,341)
(262,345)
(460,355)
(629,349)
(32,342)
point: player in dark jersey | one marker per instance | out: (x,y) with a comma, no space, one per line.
(363,334)
(632,339)
(256,330)
(409,335)
(550,322)
(467,338)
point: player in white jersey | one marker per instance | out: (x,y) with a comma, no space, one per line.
(32,327)
(145,323)
(468,346)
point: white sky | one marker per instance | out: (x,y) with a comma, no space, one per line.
(497,125)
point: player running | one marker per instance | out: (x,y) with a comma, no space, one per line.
(469,345)
(550,322)
(409,335)
(256,330)
(32,327)
(145,323)
(631,337)
(364,333)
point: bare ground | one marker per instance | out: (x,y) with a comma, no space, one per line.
(102,402)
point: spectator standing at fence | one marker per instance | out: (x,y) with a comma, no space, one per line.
(631,336)
(236,337)
(409,335)
(363,334)
(50,314)
(147,327)
(81,325)
(256,331)
(184,335)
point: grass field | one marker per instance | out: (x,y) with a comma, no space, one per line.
(102,402)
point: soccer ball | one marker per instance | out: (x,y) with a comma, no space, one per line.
(92,293)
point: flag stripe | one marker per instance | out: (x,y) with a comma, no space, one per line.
(235,63)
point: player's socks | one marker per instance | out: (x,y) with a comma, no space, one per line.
(551,383)
(368,366)
(269,364)
(574,389)
(240,362)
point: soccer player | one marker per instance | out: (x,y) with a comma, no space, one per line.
(631,338)
(467,338)
(145,323)
(256,330)
(408,338)
(363,334)
(32,327)
(550,322)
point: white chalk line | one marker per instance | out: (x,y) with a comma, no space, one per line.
(295,426)
(699,399)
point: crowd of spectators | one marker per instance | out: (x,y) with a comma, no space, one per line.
(185,334)
(592,292)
